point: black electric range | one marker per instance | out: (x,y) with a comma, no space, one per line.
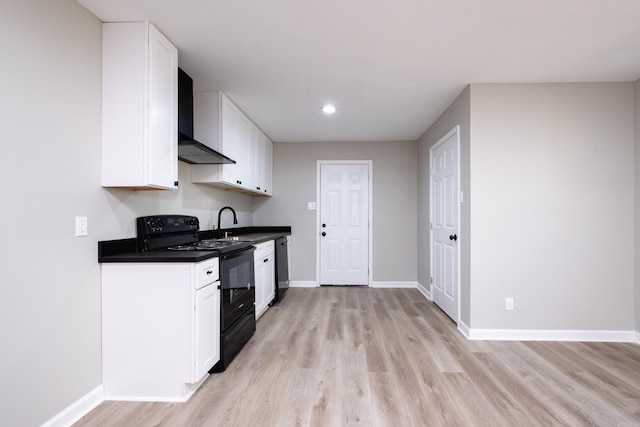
(179,233)
(174,238)
(167,238)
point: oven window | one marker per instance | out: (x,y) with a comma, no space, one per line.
(238,285)
(237,275)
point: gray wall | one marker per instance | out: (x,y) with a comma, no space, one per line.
(552,175)
(548,176)
(50,280)
(394,203)
(457,114)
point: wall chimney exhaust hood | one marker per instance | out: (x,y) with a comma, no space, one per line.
(190,150)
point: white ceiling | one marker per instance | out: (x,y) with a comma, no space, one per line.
(391,67)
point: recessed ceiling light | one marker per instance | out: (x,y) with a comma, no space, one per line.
(329,109)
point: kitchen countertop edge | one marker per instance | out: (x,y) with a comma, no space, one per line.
(125,250)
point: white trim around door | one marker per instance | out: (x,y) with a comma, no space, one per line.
(369,164)
(444,223)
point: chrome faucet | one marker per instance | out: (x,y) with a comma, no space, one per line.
(235,218)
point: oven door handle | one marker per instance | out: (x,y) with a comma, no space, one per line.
(239,253)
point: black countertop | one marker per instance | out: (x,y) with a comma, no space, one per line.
(125,250)
(252,234)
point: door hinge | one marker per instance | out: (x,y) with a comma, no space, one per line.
(431,280)
(430,226)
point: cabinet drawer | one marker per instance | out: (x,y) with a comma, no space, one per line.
(264,249)
(207,272)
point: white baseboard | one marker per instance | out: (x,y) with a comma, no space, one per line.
(424,291)
(551,335)
(401,285)
(637,337)
(398,284)
(303,284)
(463,328)
(78,409)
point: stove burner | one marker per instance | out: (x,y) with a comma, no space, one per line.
(182,248)
(215,244)
(204,245)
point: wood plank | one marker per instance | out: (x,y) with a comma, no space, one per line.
(355,392)
(388,357)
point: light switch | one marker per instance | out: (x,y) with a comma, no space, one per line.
(312,206)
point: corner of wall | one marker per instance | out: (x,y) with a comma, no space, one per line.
(456,114)
(636,207)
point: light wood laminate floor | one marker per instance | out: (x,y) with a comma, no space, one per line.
(388,357)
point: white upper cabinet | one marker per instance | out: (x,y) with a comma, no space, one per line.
(267,164)
(268,167)
(219,123)
(226,137)
(139,107)
(244,163)
(258,160)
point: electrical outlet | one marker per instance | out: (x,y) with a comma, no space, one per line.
(508,303)
(81,226)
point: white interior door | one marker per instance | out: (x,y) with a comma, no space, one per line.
(344,224)
(444,223)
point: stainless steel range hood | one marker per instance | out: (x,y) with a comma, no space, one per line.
(190,150)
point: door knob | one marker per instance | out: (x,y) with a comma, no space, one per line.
(324,234)
(324,225)
(453,237)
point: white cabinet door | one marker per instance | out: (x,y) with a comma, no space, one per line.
(207,329)
(252,159)
(268,166)
(228,140)
(244,161)
(270,281)
(258,160)
(260,269)
(139,107)
(163,111)
(263,164)
(265,275)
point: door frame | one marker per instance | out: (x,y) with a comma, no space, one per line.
(455,131)
(369,164)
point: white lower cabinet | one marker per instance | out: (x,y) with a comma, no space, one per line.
(207,330)
(160,329)
(264,260)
